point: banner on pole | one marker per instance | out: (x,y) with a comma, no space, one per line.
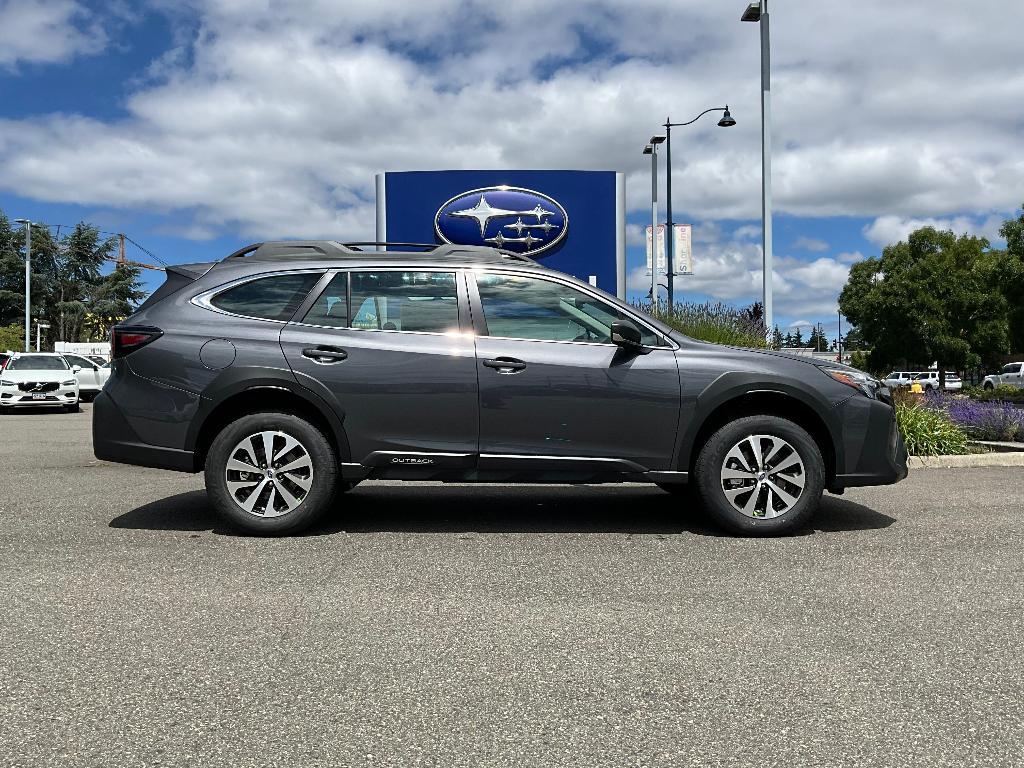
(662,264)
(682,254)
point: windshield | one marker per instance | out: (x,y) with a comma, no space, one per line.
(40,363)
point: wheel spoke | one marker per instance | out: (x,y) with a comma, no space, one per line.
(250,503)
(795,480)
(737,474)
(236,486)
(790,461)
(302,462)
(290,501)
(754,441)
(732,493)
(289,443)
(737,454)
(750,508)
(303,482)
(240,466)
(777,445)
(268,508)
(788,500)
(268,448)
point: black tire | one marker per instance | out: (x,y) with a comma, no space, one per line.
(989,385)
(309,509)
(72,408)
(712,458)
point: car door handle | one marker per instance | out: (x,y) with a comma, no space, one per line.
(325,355)
(505,364)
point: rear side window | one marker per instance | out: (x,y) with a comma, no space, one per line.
(425,302)
(331,309)
(269,298)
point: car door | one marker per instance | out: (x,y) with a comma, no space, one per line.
(88,378)
(553,385)
(387,348)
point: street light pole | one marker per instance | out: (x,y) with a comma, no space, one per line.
(39,328)
(28,282)
(759,12)
(670,234)
(652,150)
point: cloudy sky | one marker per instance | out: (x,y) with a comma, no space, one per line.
(197,126)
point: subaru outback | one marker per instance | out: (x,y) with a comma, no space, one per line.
(288,372)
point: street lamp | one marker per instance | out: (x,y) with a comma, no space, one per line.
(759,12)
(39,328)
(726,122)
(652,150)
(28,280)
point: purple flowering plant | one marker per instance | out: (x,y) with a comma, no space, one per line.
(993,420)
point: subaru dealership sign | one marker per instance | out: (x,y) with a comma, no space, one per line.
(527,212)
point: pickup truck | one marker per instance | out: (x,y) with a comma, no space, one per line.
(1012,374)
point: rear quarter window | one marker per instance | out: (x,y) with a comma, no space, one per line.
(269,298)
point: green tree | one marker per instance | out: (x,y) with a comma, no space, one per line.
(1013,279)
(935,297)
(12,337)
(777,340)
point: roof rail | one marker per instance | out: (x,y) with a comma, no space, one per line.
(358,246)
(334,249)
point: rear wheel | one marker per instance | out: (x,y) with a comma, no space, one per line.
(989,385)
(760,476)
(271,473)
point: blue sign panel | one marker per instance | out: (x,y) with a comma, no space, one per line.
(527,212)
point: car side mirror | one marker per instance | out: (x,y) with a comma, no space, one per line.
(626,335)
(76,369)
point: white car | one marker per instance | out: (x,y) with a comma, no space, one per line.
(91,377)
(899,379)
(929,380)
(38,379)
(1012,374)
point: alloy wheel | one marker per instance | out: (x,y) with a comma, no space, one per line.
(269,473)
(763,476)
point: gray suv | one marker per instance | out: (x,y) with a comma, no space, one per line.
(290,371)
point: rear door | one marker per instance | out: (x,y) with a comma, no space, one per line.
(88,377)
(553,385)
(390,349)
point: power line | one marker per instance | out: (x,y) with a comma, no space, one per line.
(119,259)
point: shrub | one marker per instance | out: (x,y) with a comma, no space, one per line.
(717,323)
(1003,393)
(987,421)
(926,431)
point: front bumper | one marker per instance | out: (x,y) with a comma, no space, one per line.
(874,449)
(11,397)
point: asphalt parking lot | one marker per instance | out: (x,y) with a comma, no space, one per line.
(486,626)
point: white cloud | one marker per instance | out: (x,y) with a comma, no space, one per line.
(730,270)
(45,31)
(886,230)
(810,244)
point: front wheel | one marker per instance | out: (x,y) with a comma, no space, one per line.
(760,476)
(271,473)
(989,386)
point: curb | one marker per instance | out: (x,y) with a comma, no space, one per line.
(1015,459)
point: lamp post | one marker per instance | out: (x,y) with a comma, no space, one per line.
(759,12)
(39,328)
(670,244)
(28,281)
(652,150)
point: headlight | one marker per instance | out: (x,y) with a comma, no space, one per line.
(69,383)
(869,385)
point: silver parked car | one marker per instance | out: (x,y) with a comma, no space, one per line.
(1012,375)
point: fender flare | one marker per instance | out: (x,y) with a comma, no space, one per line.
(236,381)
(735,385)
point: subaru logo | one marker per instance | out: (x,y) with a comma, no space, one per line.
(511,218)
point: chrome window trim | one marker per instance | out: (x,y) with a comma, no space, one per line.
(582,289)
(451,334)
(203,299)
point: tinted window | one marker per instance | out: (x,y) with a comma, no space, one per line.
(40,363)
(331,308)
(1011,368)
(80,361)
(405,301)
(530,308)
(270,298)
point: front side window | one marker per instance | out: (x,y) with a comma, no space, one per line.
(269,298)
(1011,368)
(530,308)
(80,361)
(40,363)
(423,302)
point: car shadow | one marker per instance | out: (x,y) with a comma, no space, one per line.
(486,509)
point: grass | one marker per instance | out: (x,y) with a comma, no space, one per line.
(928,431)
